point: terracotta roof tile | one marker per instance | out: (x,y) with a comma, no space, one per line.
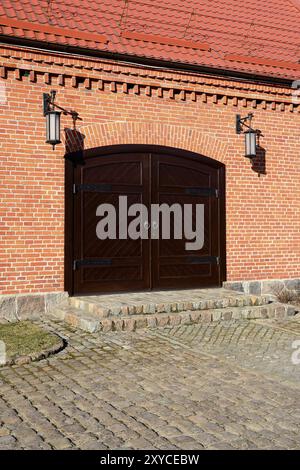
(262,38)
(263,61)
(166,40)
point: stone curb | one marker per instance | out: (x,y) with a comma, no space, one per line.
(21,360)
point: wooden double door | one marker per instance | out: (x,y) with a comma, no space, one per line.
(148,176)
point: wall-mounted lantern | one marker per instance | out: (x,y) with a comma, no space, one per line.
(250,134)
(53,118)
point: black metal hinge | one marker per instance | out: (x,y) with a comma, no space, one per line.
(77,263)
(204,260)
(205,192)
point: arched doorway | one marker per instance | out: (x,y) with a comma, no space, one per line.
(190,187)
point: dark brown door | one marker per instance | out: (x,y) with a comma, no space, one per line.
(111,264)
(181,262)
(148,177)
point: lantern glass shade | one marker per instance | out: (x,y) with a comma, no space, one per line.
(53,127)
(250,143)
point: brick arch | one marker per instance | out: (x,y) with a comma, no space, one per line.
(122,132)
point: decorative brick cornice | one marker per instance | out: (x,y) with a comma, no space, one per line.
(116,77)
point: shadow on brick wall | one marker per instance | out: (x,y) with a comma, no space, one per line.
(74,145)
(259,162)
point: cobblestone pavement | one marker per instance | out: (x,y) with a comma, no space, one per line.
(253,345)
(223,386)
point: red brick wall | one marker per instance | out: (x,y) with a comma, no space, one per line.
(191,112)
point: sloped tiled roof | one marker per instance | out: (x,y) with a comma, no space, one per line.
(260,37)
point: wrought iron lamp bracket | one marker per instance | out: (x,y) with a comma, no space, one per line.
(241,123)
(50,105)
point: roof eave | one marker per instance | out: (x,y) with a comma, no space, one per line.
(147,61)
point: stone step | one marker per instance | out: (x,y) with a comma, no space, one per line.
(102,308)
(91,322)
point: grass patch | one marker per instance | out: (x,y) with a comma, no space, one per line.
(26,339)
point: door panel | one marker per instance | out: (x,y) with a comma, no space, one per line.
(185,181)
(110,264)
